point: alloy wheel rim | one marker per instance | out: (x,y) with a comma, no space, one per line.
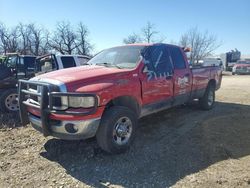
(11,102)
(122,131)
(210,98)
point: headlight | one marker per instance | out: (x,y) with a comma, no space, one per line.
(74,102)
(81,102)
(64,103)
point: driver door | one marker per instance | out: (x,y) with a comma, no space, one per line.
(157,80)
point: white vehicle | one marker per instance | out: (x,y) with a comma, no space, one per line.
(52,62)
(211,62)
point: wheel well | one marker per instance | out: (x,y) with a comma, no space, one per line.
(212,83)
(126,101)
(2,90)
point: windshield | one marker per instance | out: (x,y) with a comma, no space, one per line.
(120,57)
(11,61)
(2,58)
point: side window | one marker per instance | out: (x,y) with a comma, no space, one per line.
(177,58)
(20,67)
(29,63)
(158,62)
(21,64)
(68,62)
(82,60)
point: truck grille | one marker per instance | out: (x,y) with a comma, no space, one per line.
(48,98)
(33,93)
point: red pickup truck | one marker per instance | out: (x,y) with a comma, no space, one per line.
(107,97)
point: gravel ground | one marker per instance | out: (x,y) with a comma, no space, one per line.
(181,147)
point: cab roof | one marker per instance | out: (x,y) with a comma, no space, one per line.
(150,44)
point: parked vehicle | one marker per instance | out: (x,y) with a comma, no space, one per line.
(229,59)
(241,67)
(211,62)
(52,62)
(12,68)
(106,98)
(15,66)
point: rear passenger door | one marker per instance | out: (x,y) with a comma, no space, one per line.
(182,76)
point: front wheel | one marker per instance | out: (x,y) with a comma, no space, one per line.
(117,129)
(207,101)
(9,101)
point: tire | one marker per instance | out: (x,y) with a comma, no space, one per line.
(117,129)
(8,102)
(207,101)
(233,73)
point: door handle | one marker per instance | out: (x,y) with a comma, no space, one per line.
(169,77)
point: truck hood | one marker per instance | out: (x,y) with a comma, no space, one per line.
(82,75)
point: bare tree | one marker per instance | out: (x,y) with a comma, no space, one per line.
(202,44)
(13,40)
(9,39)
(37,40)
(3,38)
(34,39)
(133,38)
(64,38)
(148,35)
(82,43)
(149,32)
(45,47)
(24,43)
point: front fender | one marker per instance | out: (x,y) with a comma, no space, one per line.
(108,91)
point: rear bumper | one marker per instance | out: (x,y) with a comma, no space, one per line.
(68,130)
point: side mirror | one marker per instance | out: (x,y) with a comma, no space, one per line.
(186,49)
(14,71)
(145,69)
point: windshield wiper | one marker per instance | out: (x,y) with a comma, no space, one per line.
(105,64)
(109,65)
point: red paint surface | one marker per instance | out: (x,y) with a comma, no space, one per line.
(98,114)
(241,65)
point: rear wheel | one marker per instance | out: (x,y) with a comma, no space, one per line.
(9,101)
(117,129)
(207,101)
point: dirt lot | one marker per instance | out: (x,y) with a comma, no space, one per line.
(181,147)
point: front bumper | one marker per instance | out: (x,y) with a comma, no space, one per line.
(74,129)
(68,130)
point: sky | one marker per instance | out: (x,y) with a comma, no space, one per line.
(110,21)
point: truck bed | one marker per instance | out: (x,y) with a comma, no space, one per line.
(201,76)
